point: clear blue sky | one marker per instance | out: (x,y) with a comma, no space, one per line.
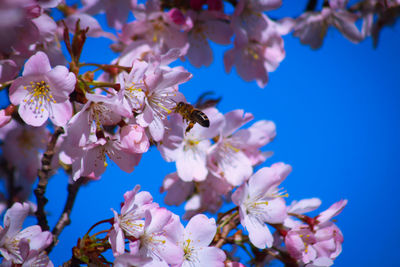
(338,124)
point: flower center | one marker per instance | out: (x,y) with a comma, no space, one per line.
(39,97)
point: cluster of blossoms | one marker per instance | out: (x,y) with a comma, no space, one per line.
(24,247)
(133,104)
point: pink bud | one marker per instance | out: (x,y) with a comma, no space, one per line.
(134,139)
(176,16)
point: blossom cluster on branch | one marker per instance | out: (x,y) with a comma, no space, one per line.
(62,115)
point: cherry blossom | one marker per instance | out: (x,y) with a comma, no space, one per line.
(22,246)
(319,242)
(131,221)
(260,201)
(195,240)
(162,95)
(42,92)
(189,150)
(311,27)
(93,158)
(159,239)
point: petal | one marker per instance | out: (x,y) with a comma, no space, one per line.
(17,91)
(200,52)
(61,82)
(234,120)
(200,230)
(275,211)
(159,218)
(15,216)
(40,241)
(62,112)
(263,180)
(209,256)
(240,194)
(117,241)
(304,205)
(259,234)
(332,211)
(126,161)
(156,128)
(237,169)
(191,165)
(37,64)
(30,116)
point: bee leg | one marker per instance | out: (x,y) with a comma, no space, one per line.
(190,126)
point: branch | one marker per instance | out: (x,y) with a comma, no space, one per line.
(65,219)
(222,238)
(44,174)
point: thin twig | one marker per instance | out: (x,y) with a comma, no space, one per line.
(44,174)
(65,219)
(226,229)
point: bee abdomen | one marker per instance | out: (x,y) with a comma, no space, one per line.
(200,118)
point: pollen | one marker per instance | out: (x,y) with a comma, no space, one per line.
(39,98)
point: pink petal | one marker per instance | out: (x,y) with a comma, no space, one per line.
(259,234)
(209,256)
(191,165)
(62,112)
(62,83)
(30,117)
(37,64)
(17,91)
(304,205)
(332,211)
(15,216)
(263,180)
(234,120)
(200,230)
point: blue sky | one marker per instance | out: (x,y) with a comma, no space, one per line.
(338,124)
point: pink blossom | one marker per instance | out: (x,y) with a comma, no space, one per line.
(311,27)
(117,12)
(189,150)
(260,201)
(22,247)
(195,239)
(133,87)
(319,242)
(248,20)
(159,239)
(161,97)
(131,221)
(209,196)
(21,147)
(43,92)
(253,60)
(207,25)
(156,28)
(93,158)
(134,139)
(177,190)
(99,111)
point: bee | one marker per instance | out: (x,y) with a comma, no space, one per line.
(191,115)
